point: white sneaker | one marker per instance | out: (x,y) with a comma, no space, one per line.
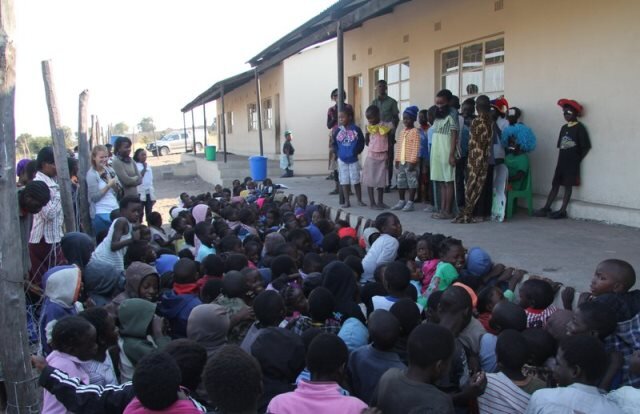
(399,205)
(408,206)
(428,209)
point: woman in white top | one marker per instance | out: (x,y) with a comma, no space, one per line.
(102,186)
(145,189)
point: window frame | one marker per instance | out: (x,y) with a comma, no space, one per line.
(267,113)
(403,102)
(460,70)
(229,122)
(252,116)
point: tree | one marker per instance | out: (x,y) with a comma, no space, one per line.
(146,125)
(23,143)
(121,128)
(69,137)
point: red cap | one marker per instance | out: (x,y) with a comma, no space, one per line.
(570,102)
(500,104)
(347,232)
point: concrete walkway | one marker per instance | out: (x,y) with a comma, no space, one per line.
(564,250)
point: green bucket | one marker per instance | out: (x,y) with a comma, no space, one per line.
(210,153)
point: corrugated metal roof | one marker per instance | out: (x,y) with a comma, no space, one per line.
(214,91)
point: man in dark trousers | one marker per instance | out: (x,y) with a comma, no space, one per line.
(389,112)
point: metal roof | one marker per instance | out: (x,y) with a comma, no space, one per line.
(214,91)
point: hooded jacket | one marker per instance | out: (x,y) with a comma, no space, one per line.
(135,316)
(208,325)
(77,248)
(61,290)
(134,275)
(340,280)
(102,282)
(176,309)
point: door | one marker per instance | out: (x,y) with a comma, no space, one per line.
(276,119)
(355,92)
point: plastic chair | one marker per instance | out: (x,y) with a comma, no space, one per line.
(526,193)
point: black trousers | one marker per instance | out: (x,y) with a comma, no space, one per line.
(483,206)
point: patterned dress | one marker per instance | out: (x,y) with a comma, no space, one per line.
(481,132)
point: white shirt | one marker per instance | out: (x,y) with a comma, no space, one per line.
(574,399)
(48,222)
(146,187)
(502,396)
(384,250)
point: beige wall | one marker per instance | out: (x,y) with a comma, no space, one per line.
(586,50)
(242,141)
(310,77)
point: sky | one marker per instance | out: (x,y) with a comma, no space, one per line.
(139,58)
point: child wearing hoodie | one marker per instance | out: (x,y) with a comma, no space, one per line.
(176,304)
(141,281)
(234,288)
(61,289)
(141,332)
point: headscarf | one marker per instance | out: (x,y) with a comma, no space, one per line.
(340,280)
(412,111)
(22,164)
(478,262)
(208,325)
(199,212)
(77,248)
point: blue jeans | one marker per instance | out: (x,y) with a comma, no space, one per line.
(101,222)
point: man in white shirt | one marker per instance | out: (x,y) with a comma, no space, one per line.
(581,362)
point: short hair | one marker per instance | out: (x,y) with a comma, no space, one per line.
(185,271)
(539,293)
(382,218)
(381,82)
(191,358)
(372,110)
(201,229)
(397,276)
(512,350)
(282,265)
(331,243)
(355,264)
(407,246)
(454,299)
(345,252)
(213,265)
(483,102)
(156,381)
(598,317)
(68,332)
(211,290)
(541,345)
(324,226)
(45,156)
(624,272)
(447,244)
(445,93)
(235,261)
(428,344)
(234,284)
(312,262)
(126,200)
(98,317)
(38,191)
(269,308)
(327,353)
(120,141)
(233,380)
(155,218)
(384,329)
(136,154)
(229,242)
(508,315)
(587,353)
(407,313)
(484,298)
(322,304)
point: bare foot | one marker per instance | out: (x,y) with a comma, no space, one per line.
(345,205)
(383,206)
(495,271)
(567,295)
(362,203)
(506,274)
(555,285)
(516,278)
(584,296)
(376,207)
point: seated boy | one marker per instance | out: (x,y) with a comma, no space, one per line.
(396,280)
(234,289)
(581,362)
(368,363)
(269,309)
(156,384)
(176,305)
(321,307)
(505,315)
(211,267)
(536,298)
(509,390)
(205,232)
(409,317)
(611,284)
(326,360)
(412,390)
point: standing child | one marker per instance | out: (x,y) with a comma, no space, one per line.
(406,159)
(286,158)
(443,158)
(424,189)
(574,144)
(348,144)
(374,173)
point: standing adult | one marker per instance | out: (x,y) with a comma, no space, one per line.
(389,112)
(102,188)
(124,166)
(46,230)
(332,124)
(145,189)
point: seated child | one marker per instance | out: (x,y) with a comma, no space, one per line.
(300,204)
(159,238)
(61,290)
(255,285)
(451,255)
(429,246)
(141,281)
(397,279)
(234,289)
(321,313)
(100,368)
(176,305)
(581,362)
(536,298)
(368,363)
(488,298)
(252,251)
(326,357)
(409,317)
(296,304)
(178,227)
(205,232)
(505,315)
(269,308)
(430,349)
(73,342)
(542,350)
(509,390)
(211,267)
(211,290)
(156,384)
(611,285)
(141,332)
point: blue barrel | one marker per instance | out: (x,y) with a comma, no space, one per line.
(258,167)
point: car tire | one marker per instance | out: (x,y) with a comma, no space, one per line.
(199,147)
(164,151)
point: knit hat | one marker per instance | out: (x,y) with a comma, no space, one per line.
(22,164)
(573,104)
(411,111)
(478,262)
(287,132)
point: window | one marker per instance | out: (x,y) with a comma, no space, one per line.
(229,122)
(267,113)
(397,77)
(252,112)
(474,68)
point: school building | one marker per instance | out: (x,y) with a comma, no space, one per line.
(532,52)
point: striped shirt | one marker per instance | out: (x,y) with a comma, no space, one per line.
(408,145)
(502,396)
(537,318)
(48,222)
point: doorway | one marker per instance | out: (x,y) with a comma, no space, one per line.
(276,118)
(355,92)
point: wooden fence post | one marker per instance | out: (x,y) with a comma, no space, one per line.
(84,161)
(59,149)
(92,138)
(19,379)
